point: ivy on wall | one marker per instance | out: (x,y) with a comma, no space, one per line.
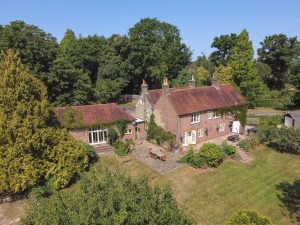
(239,112)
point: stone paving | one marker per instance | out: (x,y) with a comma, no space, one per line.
(142,149)
(141,152)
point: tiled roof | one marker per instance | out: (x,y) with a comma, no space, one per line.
(294,115)
(93,114)
(189,100)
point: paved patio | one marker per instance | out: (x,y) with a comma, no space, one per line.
(141,152)
(142,149)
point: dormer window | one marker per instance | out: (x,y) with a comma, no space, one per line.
(195,117)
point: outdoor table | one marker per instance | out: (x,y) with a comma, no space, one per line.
(157,154)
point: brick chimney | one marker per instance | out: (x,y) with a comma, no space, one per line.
(144,87)
(165,86)
(215,82)
(192,82)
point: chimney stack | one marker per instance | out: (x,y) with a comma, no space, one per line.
(165,86)
(144,87)
(192,82)
(215,82)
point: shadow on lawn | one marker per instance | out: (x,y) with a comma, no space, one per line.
(290,198)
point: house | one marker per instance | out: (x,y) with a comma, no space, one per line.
(94,121)
(192,113)
(292,119)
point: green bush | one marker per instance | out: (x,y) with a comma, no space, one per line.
(106,196)
(283,139)
(244,217)
(93,157)
(112,135)
(120,147)
(212,154)
(228,149)
(250,143)
(193,159)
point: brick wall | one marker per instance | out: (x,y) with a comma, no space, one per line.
(210,124)
(82,135)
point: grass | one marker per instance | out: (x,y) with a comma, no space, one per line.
(212,195)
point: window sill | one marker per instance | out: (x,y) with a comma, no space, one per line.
(195,123)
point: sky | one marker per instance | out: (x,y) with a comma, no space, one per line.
(198,21)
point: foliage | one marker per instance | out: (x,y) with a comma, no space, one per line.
(120,147)
(212,153)
(111,198)
(228,149)
(112,135)
(68,39)
(91,153)
(32,147)
(282,139)
(107,90)
(239,112)
(224,74)
(158,134)
(250,143)
(225,45)
(121,125)
(66,84)
(206,63)
(156,49)
(278,51)
(72,118)
(194,159)
(244,72)
(244,217)
(36,48)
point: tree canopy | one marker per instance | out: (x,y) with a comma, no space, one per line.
(33,148)
(108,197)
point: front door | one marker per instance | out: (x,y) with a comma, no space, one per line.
(190,137)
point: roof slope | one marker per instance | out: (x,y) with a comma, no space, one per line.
(93,114)
(189,100)
(294,115)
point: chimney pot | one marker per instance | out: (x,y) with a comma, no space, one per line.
(192,82)
(215,82)
(165,86)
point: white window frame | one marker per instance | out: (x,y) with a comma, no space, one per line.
(200,133)
(209,115)
(195,118)
(222,125)
(216,115)
(128,131)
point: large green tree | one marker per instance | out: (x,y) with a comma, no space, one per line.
(37,49)
(68,85)
(32,146)
(156,50)
(108,198)
(278,51)
(224,45)
(244,72)
(68,39)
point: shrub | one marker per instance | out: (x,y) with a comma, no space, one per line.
(112,198)
(284,139)
(120,147)
(197,161)
(212,153)
(248,217)
(112,135)
(228,149)
(93,157)
(250,143)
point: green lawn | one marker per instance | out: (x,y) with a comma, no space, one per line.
(212,195)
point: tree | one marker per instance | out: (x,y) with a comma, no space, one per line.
(206,63)
(294,73)
(68,39)
(278,51)
(107,90)
(156,50)
(67,85)
(37,49)
(224,73)
(224,44)
(108,198)
(33,148)
(244,217)
(244,72)
(264,71)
